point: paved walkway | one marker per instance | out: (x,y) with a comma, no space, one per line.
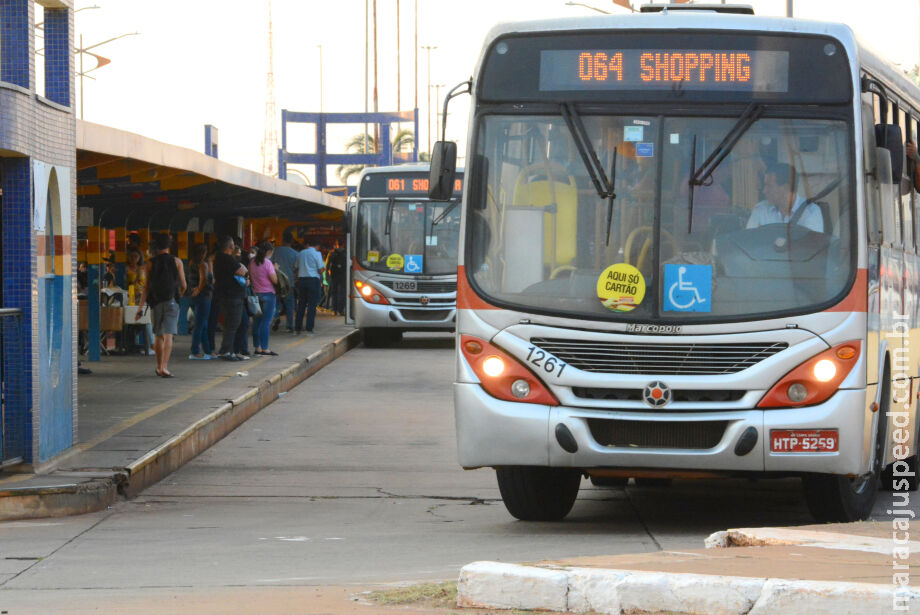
(126,411)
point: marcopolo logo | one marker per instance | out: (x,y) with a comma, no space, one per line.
(656,394)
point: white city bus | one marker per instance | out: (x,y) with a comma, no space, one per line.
(402,254)
(688,237)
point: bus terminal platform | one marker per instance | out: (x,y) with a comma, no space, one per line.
(135,428)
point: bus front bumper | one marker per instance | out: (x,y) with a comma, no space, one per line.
(443,317)
(492,432)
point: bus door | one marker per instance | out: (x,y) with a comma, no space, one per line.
(350,212)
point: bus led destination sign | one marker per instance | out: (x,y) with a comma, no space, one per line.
(665,69)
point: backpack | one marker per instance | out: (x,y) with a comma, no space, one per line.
(283,287)
(337,264)
(164,280)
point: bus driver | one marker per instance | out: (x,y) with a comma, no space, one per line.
(781,202)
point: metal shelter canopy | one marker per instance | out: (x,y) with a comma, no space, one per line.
(131,180)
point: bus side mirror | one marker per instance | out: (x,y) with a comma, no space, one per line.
(443,171)
(346,221)
(889,136)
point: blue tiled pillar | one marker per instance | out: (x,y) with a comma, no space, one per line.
(15,42)
(57,55)
(16,210)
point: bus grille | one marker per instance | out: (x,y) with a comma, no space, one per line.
(682,395)
(428,287)
(658,434)
(428,315)
(658,359)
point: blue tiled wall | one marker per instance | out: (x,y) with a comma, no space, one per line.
(15,42)
(57,56)
(17,279)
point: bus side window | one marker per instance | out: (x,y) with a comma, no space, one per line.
(873,205)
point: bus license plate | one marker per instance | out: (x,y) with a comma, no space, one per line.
(409,285)
(810,441)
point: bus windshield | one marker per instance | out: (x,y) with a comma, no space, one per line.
(763,231)
(413,237)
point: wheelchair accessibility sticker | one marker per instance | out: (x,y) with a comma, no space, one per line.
(688,288)
(621,287)
(413,263)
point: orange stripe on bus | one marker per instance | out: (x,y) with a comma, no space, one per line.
(467,299)
(856,300)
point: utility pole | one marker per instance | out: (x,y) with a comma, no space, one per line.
(788,8)
(376,124)
(270,134)
(437,105)
(366,43)
(428,49)
(398,65)
(320,78)
(416,56)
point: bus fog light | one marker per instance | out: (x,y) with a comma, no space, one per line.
(520,389)
(797,392)
(825,370)
(493,366)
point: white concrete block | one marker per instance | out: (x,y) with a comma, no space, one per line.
(594,590)
(829,598)
(509,586)
(693,594)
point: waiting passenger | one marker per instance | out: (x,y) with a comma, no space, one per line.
(781,203)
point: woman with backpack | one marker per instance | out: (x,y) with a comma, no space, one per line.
(263,278)
(165,285)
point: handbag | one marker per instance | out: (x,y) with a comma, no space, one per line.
(253,305)
(240,280)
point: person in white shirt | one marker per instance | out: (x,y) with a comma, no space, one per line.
(781,203)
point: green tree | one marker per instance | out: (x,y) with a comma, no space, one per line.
(403,141)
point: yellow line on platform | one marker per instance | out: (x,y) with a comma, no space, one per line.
(16,478)
(146,414)
(155,410)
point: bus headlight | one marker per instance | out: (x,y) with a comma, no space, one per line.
(370,294)
(520,389)
(825,370)
(815,380)
(501,375)
(493,366)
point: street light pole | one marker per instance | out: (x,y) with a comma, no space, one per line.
(100,61)
(788,8)
(320,78)
(428,49)
(437,103)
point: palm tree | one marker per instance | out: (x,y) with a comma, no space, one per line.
(404,140)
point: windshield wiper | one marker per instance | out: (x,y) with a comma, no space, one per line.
(604,187)
(705,171)
(390,203)
(445,212)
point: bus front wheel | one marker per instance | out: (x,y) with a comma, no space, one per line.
(537,493)
(839,499)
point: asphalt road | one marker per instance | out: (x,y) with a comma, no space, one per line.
(351,478)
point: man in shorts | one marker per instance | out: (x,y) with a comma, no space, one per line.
(165,285)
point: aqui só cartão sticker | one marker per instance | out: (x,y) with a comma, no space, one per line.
(621,287)
(395,262)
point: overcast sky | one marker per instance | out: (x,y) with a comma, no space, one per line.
(198,62)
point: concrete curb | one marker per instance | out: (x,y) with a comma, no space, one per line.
(616,592)
(774,536)
(59,501)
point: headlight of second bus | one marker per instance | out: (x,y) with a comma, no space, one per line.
(370,294)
